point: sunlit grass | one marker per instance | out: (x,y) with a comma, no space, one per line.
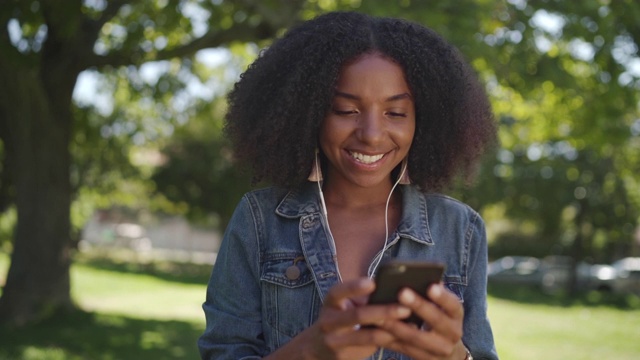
(136,295)
(150,311)
(530,331)
(153,311)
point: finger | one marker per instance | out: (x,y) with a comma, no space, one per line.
(438,320)
(377,315)
(421,353)
(332,319)
(339,296)
(415,343)
(362,337)
(339,313)
(446,300)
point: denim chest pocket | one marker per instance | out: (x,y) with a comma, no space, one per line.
(290,299)
(454,285)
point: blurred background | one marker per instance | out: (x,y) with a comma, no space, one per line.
(116,180)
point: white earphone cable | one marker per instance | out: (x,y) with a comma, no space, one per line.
(386,224)
(386,233)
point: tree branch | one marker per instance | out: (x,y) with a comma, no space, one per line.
(110,11)
(10,54)
(93,27)
(277,18)
(63,21)
(274,20)
(214,38)
(91,30)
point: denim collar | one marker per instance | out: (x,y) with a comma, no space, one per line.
(414,224)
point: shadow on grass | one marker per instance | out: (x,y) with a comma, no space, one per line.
(185,273)
(535,296)
(82,335)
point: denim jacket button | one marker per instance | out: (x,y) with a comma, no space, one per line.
(307,222)
(292,272)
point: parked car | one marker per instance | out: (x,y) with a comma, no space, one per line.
(600,277)
(627,275)
(551,274)
(115,235)
(523,270)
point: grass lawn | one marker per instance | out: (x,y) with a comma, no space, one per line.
(129,312)
(591,328)
(153,311)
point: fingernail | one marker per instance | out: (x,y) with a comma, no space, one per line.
(403,311)
(407,296)
(367,283)
(435,291)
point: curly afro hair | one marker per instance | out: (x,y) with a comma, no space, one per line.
(277,106)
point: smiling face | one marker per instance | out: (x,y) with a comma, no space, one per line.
(370,126)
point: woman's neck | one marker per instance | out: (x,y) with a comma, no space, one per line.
(350,196)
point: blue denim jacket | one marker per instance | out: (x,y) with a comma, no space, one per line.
(254,305)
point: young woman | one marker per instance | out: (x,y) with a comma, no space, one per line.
(357,122)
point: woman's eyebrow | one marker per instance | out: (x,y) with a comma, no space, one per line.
(346,95)
(400,97)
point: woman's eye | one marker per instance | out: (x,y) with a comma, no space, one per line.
(344,112)
(396,114)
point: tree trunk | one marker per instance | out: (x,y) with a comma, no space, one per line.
(36,119)
(577,248)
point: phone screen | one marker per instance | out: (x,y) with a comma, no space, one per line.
(396,275)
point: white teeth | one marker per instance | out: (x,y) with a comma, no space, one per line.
(366,159)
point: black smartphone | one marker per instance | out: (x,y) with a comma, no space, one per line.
(395,275)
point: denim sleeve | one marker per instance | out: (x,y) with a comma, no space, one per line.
(478,337)
(233,302)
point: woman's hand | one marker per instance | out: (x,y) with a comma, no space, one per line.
(340,332)
(440,337)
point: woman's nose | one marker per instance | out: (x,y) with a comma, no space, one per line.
(371,128)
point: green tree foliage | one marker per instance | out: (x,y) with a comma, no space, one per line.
(45,45)
(565,85)
(563,78)
(199,170)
